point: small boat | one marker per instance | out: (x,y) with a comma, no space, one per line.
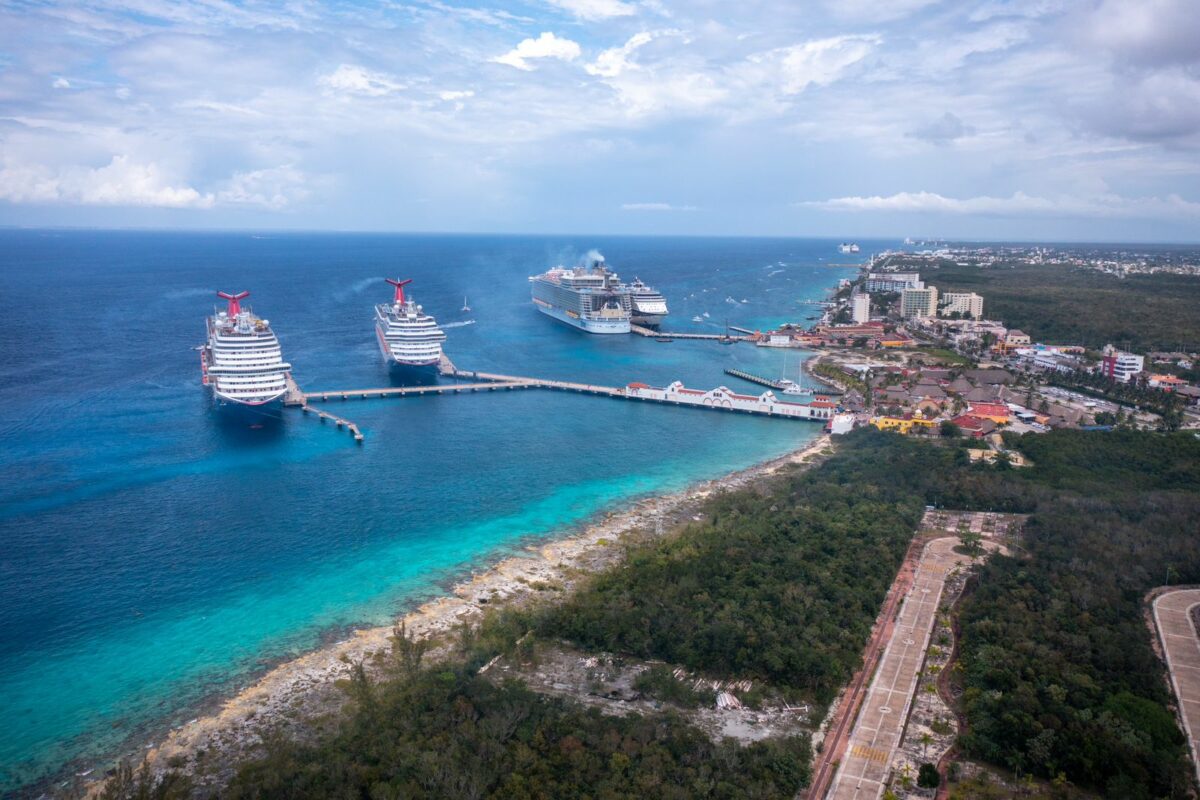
(465,307)
(697,318)
(663,339)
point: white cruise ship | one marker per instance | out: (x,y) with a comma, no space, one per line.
(408,337)
(649,306)
(241,361)
(592,299)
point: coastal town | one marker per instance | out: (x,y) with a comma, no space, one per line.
(909,358)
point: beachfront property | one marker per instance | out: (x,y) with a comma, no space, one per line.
(892,282)
(860,308)
(966,304)
(724,398)
(921,302)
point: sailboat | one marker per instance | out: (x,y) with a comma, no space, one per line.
(465,307)
(788,386)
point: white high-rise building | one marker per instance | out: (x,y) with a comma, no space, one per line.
(860,306)
(919,302)
(968,304)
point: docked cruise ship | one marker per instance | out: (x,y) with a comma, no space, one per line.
(591,298)
(408,337)
(649,306)
(241,361)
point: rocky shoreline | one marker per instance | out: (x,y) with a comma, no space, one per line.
(298,694)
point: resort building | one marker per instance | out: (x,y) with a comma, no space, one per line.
(968,304)
(919,302)
(860,306)
(892,282)
(1119,365)
(1017,338)
(903,425)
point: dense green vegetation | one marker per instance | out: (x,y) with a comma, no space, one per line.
(1069,305)
(781,586)
(446,732)
(1059,672)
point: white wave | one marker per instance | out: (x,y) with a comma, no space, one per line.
(774,272)
(461,324)
(358,287)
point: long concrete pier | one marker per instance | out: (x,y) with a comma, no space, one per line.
(640,331)
(719,399)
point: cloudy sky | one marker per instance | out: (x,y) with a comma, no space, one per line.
(1020,119)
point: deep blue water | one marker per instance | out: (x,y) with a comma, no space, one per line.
(155,550)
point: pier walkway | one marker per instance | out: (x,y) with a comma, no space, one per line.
(296,398)
(719,399)
(640,331)
(750,376)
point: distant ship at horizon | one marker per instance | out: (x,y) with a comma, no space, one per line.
(591,298)
(408,337)
(848,247)
(241,360)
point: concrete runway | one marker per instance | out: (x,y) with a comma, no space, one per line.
(1181,644)
(880,725)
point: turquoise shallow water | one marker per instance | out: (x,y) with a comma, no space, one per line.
(156,551)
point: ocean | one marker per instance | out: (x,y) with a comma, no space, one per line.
(156,551)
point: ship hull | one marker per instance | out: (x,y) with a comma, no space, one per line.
(232,403)
(648,320)
(586,325)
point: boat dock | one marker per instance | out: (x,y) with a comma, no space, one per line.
(640,331)
(298,399)
(747,376)
(719,399)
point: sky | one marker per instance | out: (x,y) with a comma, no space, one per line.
(999,119)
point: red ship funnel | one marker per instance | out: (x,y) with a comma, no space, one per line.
(235,301)
(399,284)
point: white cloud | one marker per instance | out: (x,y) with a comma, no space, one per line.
(1019,204)
(612,62)
(593,10)
(351,79)
(819,62)
(273,188)
(121,183)
(655,207)
(545,46)
(456,95)
(61,83)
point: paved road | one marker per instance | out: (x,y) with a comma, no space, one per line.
(880,724)
(1181,643)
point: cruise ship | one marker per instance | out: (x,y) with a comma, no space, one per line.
(649,306)
(591,298)
(241,361)
(408,337)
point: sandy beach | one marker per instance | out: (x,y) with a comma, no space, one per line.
(304,689)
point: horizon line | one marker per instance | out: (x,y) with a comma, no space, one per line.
(379,232)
